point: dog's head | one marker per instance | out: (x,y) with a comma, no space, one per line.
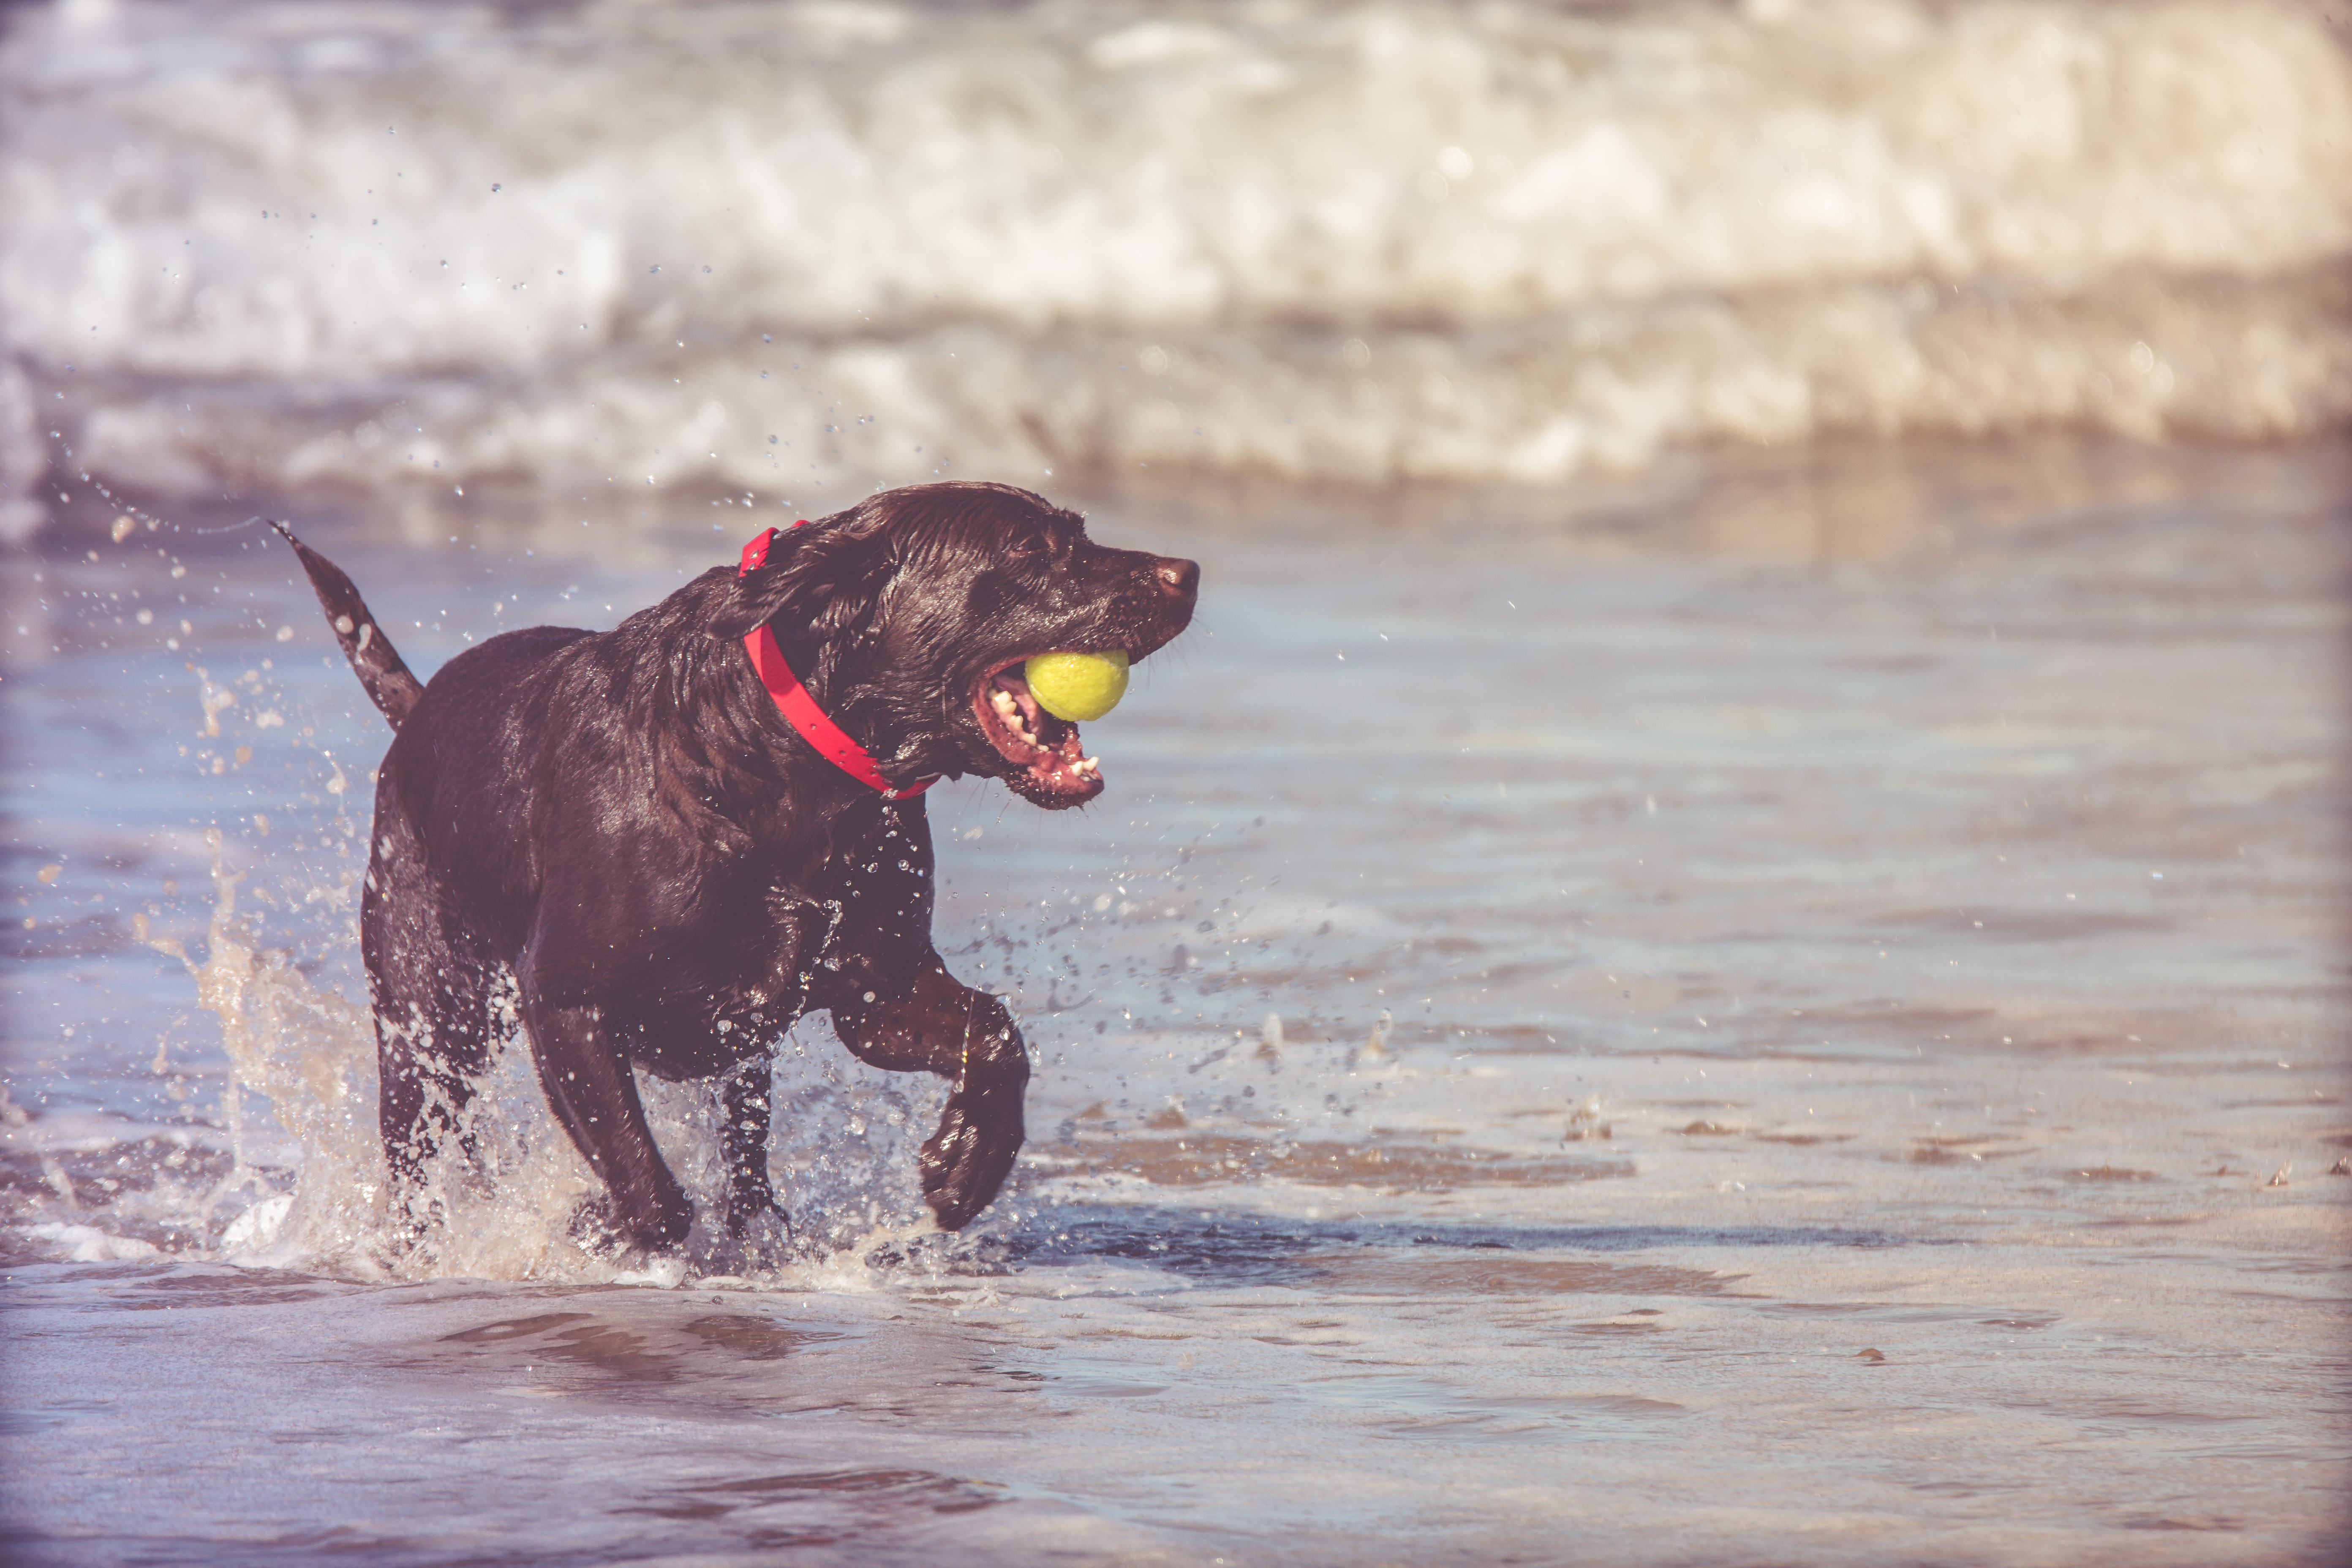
(910,615)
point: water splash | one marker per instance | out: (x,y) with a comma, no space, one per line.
(309,1054)
(844,1156)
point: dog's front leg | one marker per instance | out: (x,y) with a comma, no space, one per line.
(743,1137)
(585,1071)
(944,1026)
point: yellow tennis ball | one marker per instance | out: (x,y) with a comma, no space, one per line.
(1077,685)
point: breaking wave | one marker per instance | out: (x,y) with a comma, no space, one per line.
(785,247)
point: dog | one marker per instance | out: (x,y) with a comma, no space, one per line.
(684,834)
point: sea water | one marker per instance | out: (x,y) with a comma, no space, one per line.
(800,249)
(1790,1011)
(1724,942)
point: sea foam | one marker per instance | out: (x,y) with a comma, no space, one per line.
(780,247)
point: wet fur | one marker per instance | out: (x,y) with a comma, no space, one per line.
(674,876)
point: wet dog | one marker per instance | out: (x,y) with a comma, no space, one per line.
(676,862)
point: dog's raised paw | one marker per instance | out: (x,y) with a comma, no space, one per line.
(966,1161)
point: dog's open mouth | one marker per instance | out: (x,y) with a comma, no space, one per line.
(1054,769)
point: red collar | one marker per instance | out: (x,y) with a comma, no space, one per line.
(799,709)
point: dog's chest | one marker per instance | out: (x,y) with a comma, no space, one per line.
(800,929)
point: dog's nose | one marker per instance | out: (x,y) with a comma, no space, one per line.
(1178,577)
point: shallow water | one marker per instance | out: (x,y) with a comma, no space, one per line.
(1851,936)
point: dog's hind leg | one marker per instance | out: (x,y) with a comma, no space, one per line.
(430,981)
(946,1027)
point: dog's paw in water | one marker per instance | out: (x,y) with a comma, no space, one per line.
(594,1231)
(757,1239)
(943,1252)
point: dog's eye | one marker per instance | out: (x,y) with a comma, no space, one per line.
(1031,545)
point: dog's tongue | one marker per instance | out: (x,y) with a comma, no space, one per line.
(1056,760)
(1014,684)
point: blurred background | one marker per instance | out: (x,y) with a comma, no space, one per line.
(562,254)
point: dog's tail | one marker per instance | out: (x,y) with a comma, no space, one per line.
(374,661)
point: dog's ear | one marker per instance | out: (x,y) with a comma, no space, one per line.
(825,577)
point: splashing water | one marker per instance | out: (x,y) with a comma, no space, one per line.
(501,1199)
(308,1053)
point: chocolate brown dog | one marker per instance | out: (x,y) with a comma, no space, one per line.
(633,823)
